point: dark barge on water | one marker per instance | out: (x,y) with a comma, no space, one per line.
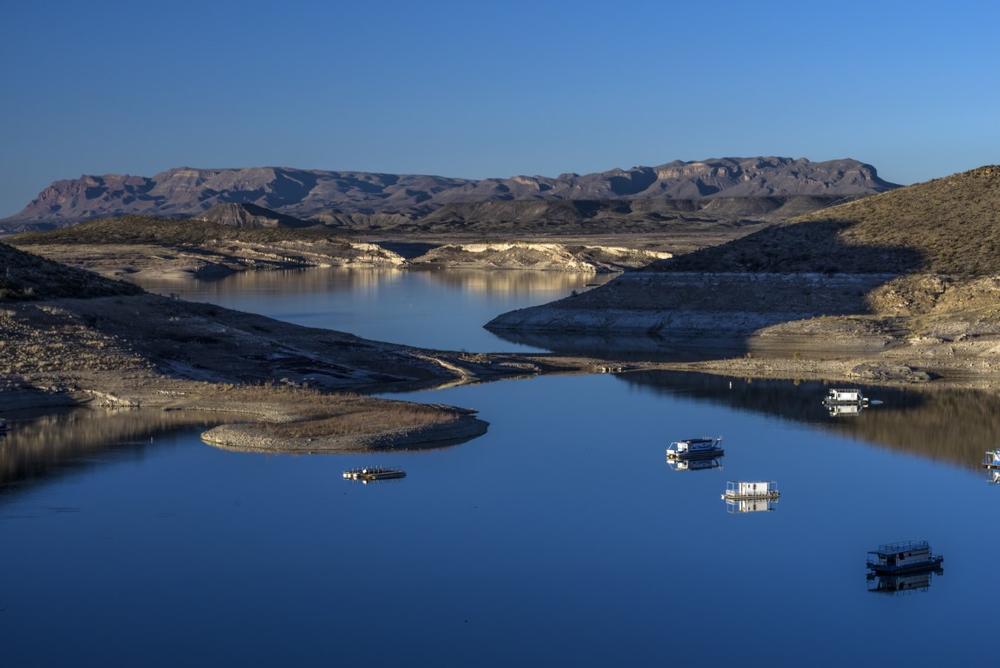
(371,474)
(912,556)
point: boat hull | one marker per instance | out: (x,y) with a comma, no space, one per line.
(699,454)
(932,564)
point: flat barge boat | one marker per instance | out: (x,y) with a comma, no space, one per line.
(371,474)
(913,556)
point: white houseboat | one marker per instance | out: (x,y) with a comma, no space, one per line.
(696,448)
(763,490)
(992,459)
(844,397)
(906,557)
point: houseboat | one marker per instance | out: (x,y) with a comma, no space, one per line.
(845,396)
(758,490)
(696,448)
(371,474)
(906,557)
(694,464)
(990,461)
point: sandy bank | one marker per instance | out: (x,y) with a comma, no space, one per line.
(761,322)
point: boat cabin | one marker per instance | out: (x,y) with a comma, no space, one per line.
(909,556)
(696,448)
(757,489)
(845,396)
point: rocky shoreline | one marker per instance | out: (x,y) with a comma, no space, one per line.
(870,326)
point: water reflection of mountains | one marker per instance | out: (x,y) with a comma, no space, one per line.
(42,447)
(306,281)
(956,426)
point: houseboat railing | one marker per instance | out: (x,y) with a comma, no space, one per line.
(901,546)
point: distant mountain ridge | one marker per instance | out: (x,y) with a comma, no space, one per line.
(315,194)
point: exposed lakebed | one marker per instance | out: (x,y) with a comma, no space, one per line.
(562,528)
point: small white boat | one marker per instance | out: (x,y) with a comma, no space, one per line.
(845,397)
(759,490)
(696,448)
(992,459)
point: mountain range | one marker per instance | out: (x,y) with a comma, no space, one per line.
(341,197)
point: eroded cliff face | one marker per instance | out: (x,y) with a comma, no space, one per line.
(539,256)
(301,193)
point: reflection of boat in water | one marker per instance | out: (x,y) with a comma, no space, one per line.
(750,497)
(750,505)
(371,474)
(894,584)
(912,556)
(694,464)
(844,410)
(696,448)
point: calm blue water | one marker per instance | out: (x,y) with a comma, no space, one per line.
(437,309)
(560,537)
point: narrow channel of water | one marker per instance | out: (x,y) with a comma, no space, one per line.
(438,309)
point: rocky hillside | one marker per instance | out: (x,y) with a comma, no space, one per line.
(318,194)
(946,226)
(27,276)
(909,278)
(249,215)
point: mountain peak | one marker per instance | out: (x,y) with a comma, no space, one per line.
(303,193)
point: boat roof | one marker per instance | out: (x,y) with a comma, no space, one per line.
(903,546)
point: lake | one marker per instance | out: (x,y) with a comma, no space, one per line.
(562,536)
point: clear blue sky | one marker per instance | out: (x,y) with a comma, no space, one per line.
(475,89)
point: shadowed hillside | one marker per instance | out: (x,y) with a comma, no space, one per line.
(27,276)
(149,230)
(947,226)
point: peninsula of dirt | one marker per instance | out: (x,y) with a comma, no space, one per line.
(68,336)
(137,248)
